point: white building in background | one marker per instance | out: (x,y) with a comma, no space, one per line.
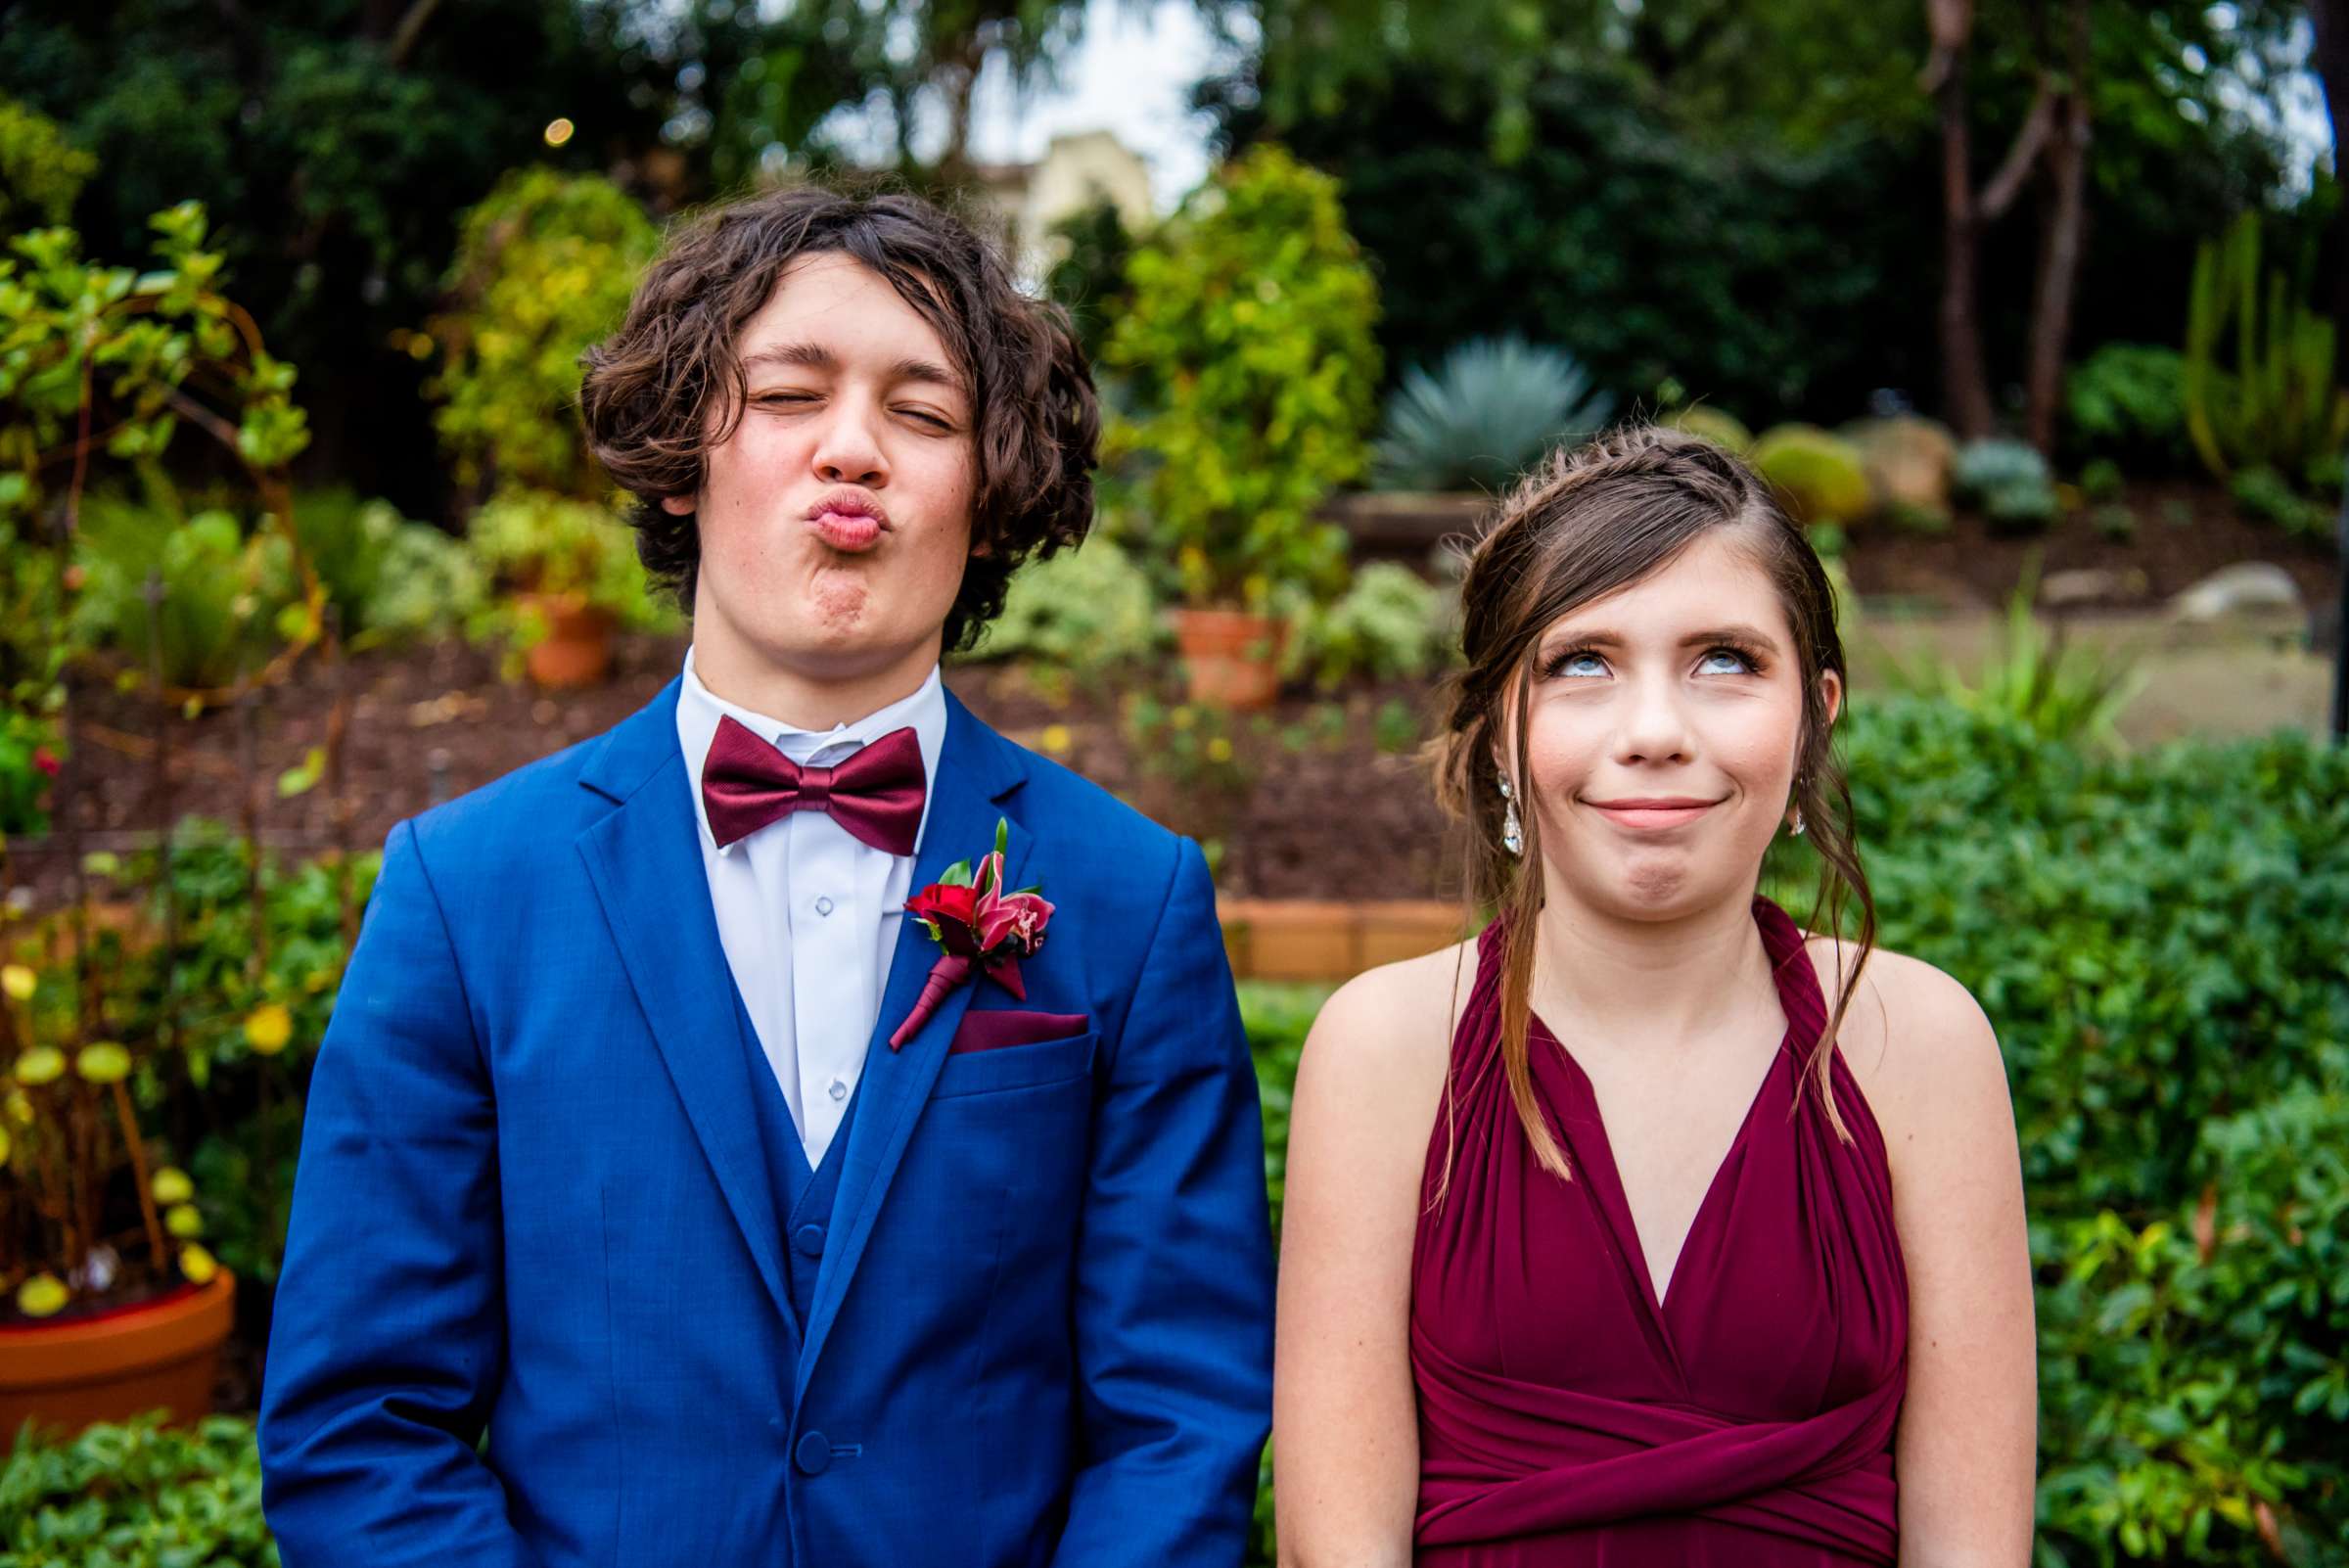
(1078,171)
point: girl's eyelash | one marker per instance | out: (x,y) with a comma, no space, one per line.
(1752,659)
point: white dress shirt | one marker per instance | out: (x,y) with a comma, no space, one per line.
(808,913)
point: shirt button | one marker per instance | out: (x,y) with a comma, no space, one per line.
(823,906)
(839,1089)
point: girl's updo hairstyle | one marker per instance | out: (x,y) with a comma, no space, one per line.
(1585,523)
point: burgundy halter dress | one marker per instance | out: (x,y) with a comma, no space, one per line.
(1568,1418)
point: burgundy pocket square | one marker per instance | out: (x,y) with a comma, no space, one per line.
(989,1029)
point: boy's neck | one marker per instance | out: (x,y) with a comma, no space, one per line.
(811,696)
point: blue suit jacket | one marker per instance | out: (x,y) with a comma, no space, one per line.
(532,1198)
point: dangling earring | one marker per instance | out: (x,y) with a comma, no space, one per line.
(1798,812)
(1512,836)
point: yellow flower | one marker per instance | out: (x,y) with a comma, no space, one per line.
(183,1222)
(42,1295)
(268,1029)
(102,1063)
(197,1263)
(1219,749)
(20,1109)
(1056,738)
(171,1185)
(18,982)
(43,1063)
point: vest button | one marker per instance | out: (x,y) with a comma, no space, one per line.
(809,1239)
(813,1453)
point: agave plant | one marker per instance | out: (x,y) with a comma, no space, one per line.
(1485,415)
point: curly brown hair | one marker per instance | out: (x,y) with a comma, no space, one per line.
(648,395)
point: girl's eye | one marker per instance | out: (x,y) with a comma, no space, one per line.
(1741,665)
(924,416)
(1579,664)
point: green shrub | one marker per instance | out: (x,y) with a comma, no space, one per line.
(2280,402)
(2267,496)
(28,762)
(231,601)
(2101,480)
(391,580)
(1485,415)
(1715,425)
(2009,480)
(2156,936)
(1389,622)
(2127,401)
(240,1003)
(40,171)
(1820,476)
(1086,609)
(544,266)
(136,1496)
(2192,1372)
(1249,341)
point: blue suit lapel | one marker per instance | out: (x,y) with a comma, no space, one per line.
(976,771)
(645,862)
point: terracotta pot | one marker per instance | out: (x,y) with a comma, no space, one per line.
(1231,658)
(578,648)
(157,1355)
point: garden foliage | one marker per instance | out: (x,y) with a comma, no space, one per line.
(1248,343)
(544,266)
(1485,415)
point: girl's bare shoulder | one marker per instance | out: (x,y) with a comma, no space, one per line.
(1381,1043)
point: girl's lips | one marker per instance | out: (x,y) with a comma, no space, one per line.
(1646,817)
(850,533)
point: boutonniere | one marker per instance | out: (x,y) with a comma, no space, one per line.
(980,929)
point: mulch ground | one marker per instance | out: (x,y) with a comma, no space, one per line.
(2183,532)
(1320,798)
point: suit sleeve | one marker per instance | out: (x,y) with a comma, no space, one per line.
(386,1347)
(1174,1320)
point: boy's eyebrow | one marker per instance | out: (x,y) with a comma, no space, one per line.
(815,356)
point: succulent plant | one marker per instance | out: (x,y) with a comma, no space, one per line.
(1484,415)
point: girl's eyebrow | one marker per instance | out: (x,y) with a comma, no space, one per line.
(1602,638)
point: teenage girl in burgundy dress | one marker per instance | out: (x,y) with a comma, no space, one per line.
(1646,1229)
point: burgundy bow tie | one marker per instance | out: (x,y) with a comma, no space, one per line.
(876,794)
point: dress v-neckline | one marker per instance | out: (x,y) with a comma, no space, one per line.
(1628,1227)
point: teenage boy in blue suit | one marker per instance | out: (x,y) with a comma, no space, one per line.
(611,1153)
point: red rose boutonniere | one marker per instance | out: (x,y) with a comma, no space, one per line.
(980,927)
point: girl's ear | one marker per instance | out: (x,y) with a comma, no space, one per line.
(677,505)
(1830,691)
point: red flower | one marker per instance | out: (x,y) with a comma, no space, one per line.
(948,909)
(46,760)
(982,929)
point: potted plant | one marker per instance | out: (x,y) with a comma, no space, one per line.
(544,266)
(1248,341)
(109,1304)
(572,579)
